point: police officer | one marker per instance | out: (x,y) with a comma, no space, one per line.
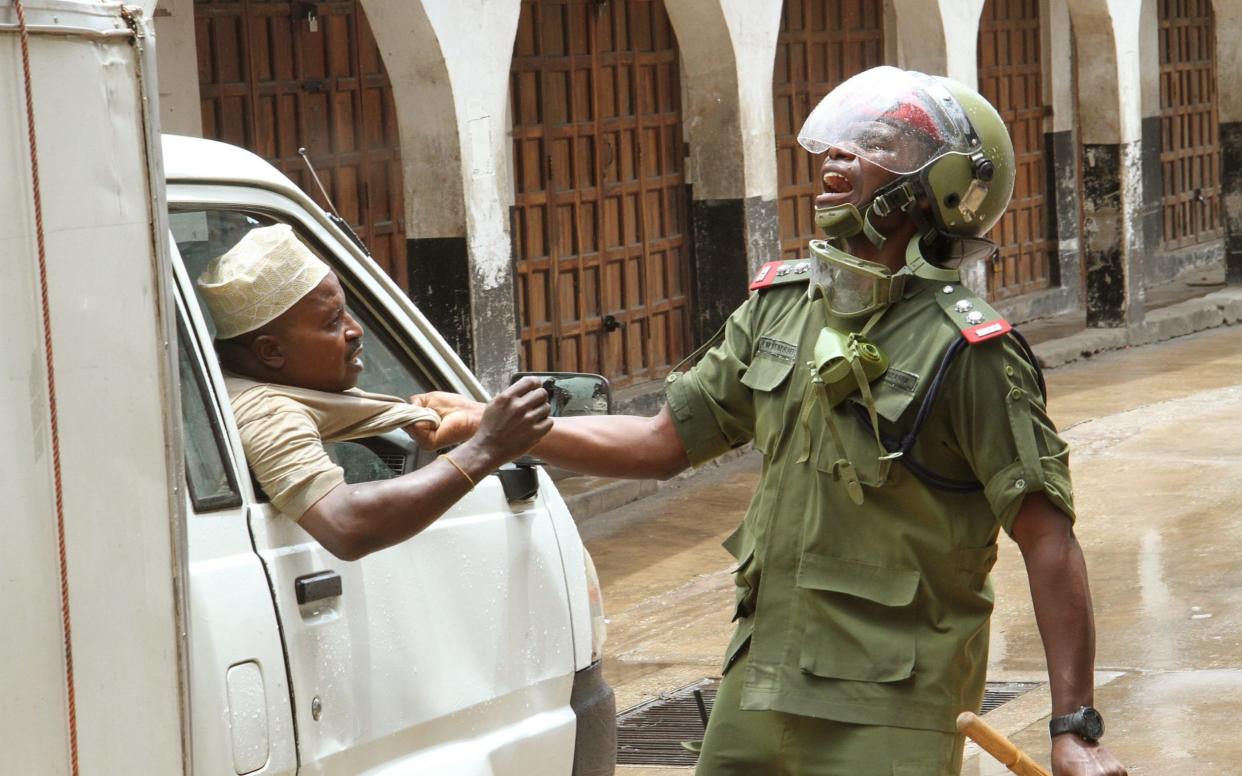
(902,427)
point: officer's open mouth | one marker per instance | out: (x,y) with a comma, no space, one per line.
(837,189)
(836,183)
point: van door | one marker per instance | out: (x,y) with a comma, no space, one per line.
(240,713)
(451,653)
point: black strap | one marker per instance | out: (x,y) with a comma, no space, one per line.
(921,472)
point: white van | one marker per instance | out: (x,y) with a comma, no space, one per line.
(158,615)
(471,649)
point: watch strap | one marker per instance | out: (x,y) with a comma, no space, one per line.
(1086,723)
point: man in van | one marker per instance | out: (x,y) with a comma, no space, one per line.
(292,355)
(902,428)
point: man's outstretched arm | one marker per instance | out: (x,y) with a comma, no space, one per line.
(1062,600)
(352,521)
(626,446)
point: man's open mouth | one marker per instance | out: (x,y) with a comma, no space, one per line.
(837,189)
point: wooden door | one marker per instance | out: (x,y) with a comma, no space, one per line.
(276,75)
(600,213)
(821,44)
(1189,124)
(1011,78)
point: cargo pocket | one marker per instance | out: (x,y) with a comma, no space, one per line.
(974,565)
(745,593)
(741,546)
(860,619)
(764,376)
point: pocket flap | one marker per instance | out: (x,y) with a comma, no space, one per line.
(890,402)
(766,373)
(883,585)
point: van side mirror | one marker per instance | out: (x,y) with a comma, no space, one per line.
(573,394)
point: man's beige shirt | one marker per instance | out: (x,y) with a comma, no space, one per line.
(284,430)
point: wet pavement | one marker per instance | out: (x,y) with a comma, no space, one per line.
(1156,436)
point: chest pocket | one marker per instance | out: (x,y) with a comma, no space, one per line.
(894,393)
(766,376)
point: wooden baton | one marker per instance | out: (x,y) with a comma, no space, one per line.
(995,744)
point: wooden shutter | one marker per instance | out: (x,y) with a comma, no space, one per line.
(275,76)
(821,44)
(1011,78)
(599,220)
(1189,124)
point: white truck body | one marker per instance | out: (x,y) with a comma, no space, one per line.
(210,634)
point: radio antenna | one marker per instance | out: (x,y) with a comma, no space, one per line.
(322,190)
(335,217)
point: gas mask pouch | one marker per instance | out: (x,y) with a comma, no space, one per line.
(842,364)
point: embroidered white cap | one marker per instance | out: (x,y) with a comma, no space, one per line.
(259,278)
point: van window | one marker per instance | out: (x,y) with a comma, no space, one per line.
(211,481)
(205,233)
(202,234)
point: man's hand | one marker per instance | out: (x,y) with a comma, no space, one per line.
(496,432)
(459,419)
(513,421)
(1071,756)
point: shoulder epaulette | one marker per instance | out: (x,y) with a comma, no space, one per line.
(776,273)
(975,318)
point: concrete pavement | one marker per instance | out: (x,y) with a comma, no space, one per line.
(1157,461)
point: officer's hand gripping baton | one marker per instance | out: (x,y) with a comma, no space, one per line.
(995,744)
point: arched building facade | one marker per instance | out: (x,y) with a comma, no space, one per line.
(588,184)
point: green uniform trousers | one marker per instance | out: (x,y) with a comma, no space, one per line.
(771,743)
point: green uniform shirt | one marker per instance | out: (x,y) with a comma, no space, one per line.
(873,614)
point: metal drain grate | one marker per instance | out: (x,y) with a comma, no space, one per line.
(1000,693)
(651,733)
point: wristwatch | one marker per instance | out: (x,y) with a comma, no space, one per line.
(1086,723)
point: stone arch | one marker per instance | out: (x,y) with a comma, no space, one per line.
(1095,54)
(1109,112)
(712,104)
(727,51)
(435,203)
(426,115)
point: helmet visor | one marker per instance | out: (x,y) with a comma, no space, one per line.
(896,119)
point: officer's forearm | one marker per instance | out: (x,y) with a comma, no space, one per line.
(1062,601)
(626,446)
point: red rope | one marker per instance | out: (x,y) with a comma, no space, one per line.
(51,393)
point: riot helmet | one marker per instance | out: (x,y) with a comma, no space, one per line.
(952,167)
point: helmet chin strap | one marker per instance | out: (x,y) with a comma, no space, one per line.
(841,222)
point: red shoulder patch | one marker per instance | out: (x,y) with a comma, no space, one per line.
(983,332)
(766,275)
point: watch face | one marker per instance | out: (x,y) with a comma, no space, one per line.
(1092,724)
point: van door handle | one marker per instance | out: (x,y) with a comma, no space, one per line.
(313,587)
(520,482)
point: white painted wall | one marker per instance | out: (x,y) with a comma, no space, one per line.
(1228,59)
(1058,56)
(476,38)
(1127,34)
(181,111)
(754,28)
(427,117)
(920,36)
(961,35)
